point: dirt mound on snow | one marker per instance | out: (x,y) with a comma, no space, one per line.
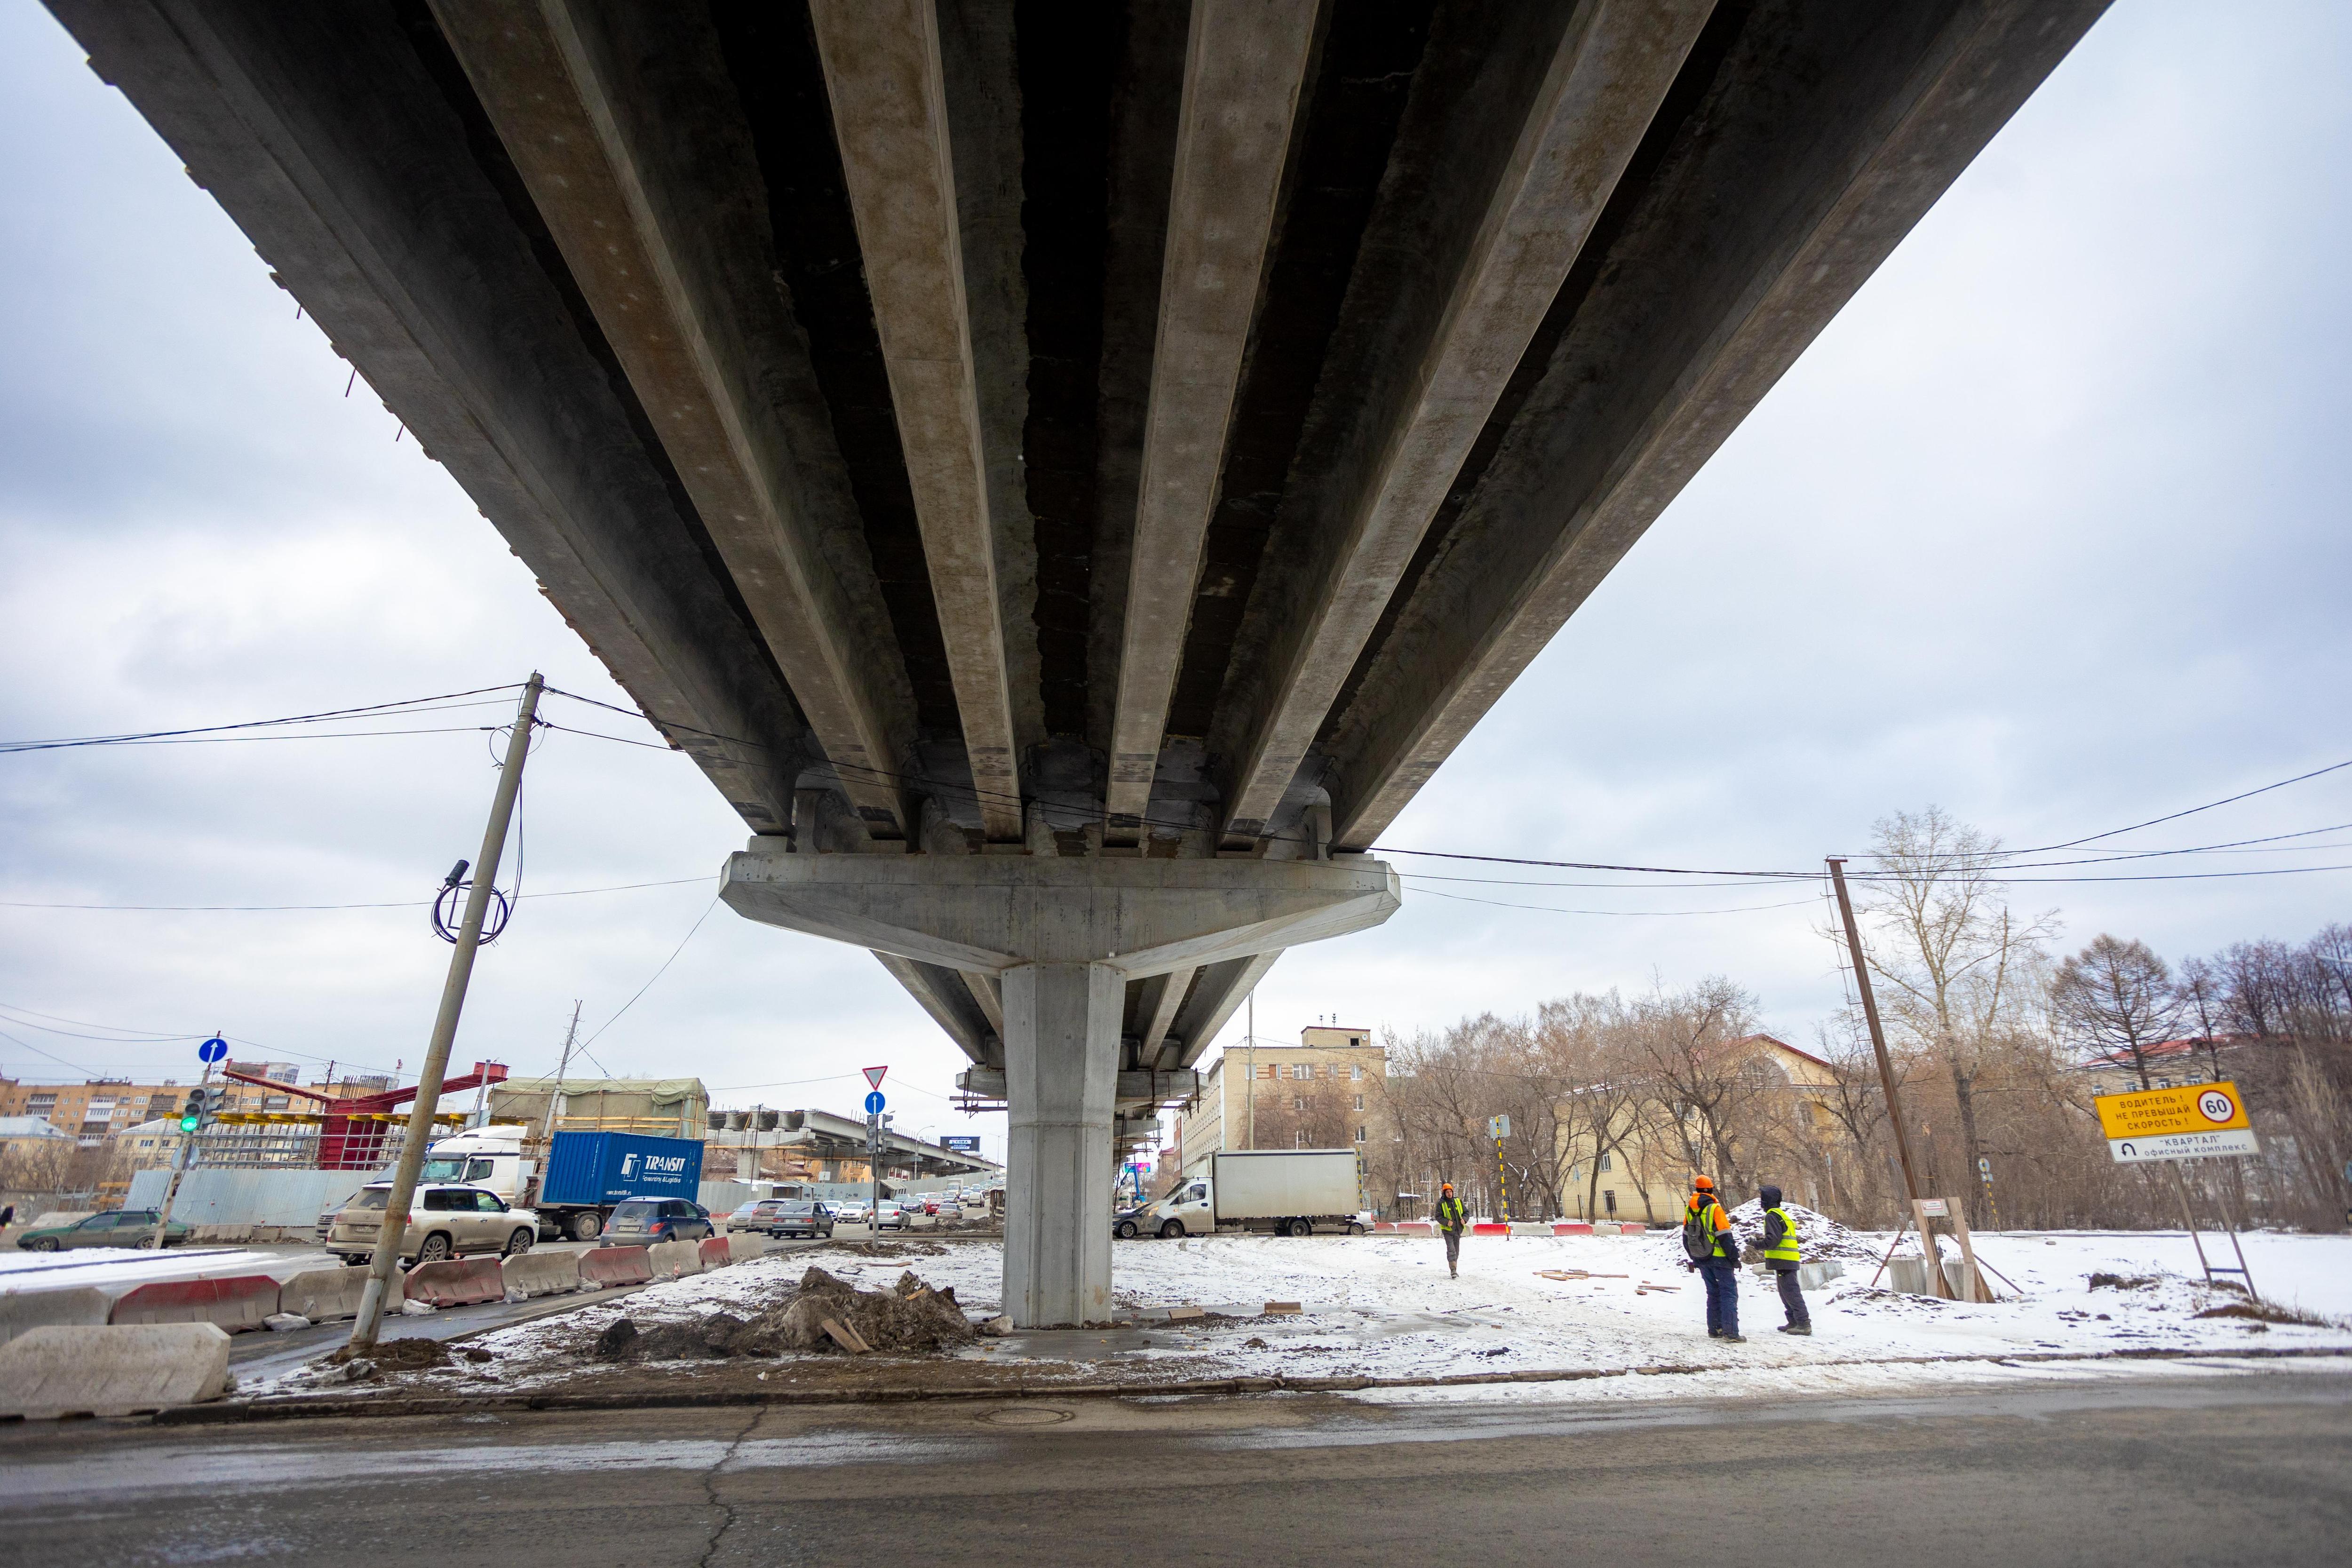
(909,1317)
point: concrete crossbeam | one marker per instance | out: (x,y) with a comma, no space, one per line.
(1162,995)
(1608,68)
(993,914)
(883,75)
(1245,66)
(1753,242)
(646,208)
(1133,1088)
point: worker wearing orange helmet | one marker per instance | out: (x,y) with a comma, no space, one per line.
(1450,1221)
(1713,1249)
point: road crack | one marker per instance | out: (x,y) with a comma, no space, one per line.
(726,1521)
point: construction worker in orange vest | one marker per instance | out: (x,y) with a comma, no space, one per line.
(1712,1248)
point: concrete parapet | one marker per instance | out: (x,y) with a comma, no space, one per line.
(746,1243)
(238,1302)
(81,1307)
(1415,1227)
(322,1294)
(670,1259)
(603,1265)
(715,1251)
(1570,1227)
(1490,1227)
(1633,1230)
(1813,1276)
(1529,1228)
(542,1273)
(458,1282)
(57,1369)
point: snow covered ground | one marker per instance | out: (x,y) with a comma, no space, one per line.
(1383,1307)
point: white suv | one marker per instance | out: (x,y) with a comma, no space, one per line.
(445,1219)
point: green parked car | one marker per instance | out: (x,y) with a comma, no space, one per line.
(118,1227)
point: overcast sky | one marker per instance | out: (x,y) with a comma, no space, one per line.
(2048,528)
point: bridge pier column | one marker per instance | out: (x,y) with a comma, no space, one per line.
(1061,1069)
(1063,939)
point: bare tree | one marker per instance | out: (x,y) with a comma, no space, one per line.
(1701,1093)
(2200,992)
(1950,949)
(2117,997)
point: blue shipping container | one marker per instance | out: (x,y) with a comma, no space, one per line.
(595,1169)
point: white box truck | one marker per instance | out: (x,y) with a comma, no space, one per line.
(1289,1192)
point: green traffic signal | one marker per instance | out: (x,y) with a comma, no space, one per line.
(188,1120)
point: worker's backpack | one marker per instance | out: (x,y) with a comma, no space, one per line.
(1698,1235)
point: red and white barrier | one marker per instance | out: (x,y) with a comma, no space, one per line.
(603,1265)
(236,1303)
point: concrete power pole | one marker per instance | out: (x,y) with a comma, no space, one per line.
(555,1095)
(385,1264)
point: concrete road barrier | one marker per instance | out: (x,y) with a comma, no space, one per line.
(670,1259)
(1529,1228)
(1813,1276)
(1415,1227)
(542,1273)
(322,1295)
(459,1282)
(715,1251)
(746,1243)
(1633,1230)
(1490,1227)
(845,1230)
(603,1265)
(83,1307)
(233,1305)
(111,1371)
(1570,1227)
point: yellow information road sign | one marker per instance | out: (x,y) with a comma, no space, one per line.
(2193,1122)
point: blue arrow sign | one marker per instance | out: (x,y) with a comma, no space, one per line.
(212,1050)
(874,1102)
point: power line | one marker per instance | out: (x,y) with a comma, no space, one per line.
(410,704)
(649,983)
(400,904)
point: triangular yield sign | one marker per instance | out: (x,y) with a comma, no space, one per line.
(874,1076)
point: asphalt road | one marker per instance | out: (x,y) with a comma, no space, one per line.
(2245,1470)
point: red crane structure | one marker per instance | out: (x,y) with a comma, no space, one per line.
(356,1128)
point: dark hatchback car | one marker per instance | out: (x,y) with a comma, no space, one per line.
(122,1227)
(641,1222)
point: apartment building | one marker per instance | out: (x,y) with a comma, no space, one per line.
(1324,1092)
(94,1109)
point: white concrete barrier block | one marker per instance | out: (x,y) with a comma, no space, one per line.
(541,1274)
(84,1307)
(111,1371)
(672,1258)
(745,1244)
(324,1294)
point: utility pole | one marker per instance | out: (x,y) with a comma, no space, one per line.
(385,1264)
(555,1095)
(1877,1033)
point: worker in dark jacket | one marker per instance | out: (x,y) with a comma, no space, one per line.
(1450,1221)
(1780,1256)
(1713,1249)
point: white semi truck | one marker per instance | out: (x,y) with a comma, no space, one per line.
(1288,1191)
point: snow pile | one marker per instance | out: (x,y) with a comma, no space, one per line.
(1820,1238)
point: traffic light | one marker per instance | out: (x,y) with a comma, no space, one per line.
(201,1107)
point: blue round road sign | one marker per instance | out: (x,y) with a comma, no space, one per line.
(212,1050)
(874,1102)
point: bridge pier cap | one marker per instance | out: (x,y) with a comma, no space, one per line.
(1064,936)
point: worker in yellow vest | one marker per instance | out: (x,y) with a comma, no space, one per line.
(1450,1221)
(1781,1257)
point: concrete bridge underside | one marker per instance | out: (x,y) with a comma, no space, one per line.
(1069,474)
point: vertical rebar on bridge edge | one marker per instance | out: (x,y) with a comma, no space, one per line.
(386,1261)
(1886,1070)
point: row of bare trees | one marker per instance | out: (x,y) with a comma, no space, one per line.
(1998,1047)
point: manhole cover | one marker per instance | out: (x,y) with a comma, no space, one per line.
(1026,1416)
